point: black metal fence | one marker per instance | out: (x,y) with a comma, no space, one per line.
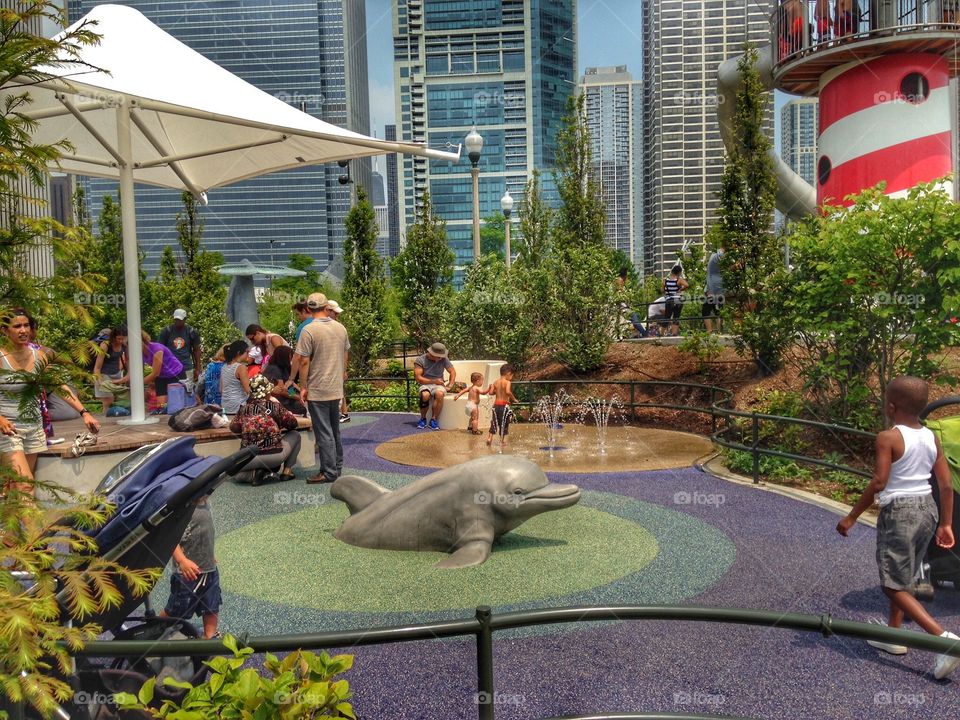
(485,623)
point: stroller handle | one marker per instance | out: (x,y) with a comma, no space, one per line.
(201,484)
(937,404)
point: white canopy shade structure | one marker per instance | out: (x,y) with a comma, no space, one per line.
(159,113)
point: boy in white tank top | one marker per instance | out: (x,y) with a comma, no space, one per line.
(907,453)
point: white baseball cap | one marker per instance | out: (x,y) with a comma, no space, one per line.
(179,314)
(335,306)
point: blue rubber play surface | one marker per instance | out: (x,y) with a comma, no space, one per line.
(661,537)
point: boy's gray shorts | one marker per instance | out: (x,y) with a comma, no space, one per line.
(904,530)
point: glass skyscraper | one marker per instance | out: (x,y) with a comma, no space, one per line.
(799,125)
(613,110)
(684,42)
(311,54)
(506,66)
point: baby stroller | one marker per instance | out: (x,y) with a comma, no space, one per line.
(943,565)
(155,489)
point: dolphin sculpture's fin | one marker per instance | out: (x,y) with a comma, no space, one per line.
(473,553)
(357,492)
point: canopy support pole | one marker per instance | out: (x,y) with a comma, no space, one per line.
(131,268)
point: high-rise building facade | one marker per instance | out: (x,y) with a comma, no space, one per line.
(505,66)
(684,42)
(393,196)
(613,111)
(799,126)
(313,55)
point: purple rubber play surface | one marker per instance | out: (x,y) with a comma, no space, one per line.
(788,558)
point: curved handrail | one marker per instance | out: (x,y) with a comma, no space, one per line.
(485,623)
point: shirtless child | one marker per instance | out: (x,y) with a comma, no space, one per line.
(473,402)
(503,395)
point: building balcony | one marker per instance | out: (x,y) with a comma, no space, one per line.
(811,36)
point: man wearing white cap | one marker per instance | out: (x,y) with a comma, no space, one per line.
(323,351)
(184,341)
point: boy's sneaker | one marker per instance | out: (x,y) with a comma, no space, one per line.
(891,648)
(344,418)
(434,425)
(422,424)
(946,664)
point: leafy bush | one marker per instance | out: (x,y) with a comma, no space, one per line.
(392,398)
(302,685)
(489,318)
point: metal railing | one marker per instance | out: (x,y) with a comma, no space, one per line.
(724,420)
(801,25)
(485,623)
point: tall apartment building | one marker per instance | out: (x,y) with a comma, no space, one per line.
(393,196)
(313,55)
(684,41)
(612,104)
(799,121)
(506,66)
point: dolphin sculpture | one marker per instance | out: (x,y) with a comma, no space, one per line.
(460,510)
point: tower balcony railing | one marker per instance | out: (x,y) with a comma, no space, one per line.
(801,27)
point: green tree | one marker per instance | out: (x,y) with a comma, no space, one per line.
(535,220)
(364,287)
(489,318)
(191,281)
(422,273)
(493,236)
(575,296)
(276,313)
(868,297)
(745,219)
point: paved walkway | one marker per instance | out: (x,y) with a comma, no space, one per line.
(676,537)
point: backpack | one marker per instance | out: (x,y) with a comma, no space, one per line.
(193,417)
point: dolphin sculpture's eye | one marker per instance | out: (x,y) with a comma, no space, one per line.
(518,491)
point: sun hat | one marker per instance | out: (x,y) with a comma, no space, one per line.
(438,350)
(260,387)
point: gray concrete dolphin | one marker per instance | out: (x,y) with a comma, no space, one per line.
(460,510)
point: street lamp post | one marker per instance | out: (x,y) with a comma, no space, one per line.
(474,143)
(506,204)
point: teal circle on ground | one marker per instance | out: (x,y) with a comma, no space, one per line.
(609,549)
(552,554)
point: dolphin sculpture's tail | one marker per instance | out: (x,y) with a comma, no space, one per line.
(357,492)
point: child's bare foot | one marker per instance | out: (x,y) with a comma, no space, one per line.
(489,440)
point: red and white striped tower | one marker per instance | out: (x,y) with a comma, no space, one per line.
(887,110)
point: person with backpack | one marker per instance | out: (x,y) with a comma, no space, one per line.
(260,421)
